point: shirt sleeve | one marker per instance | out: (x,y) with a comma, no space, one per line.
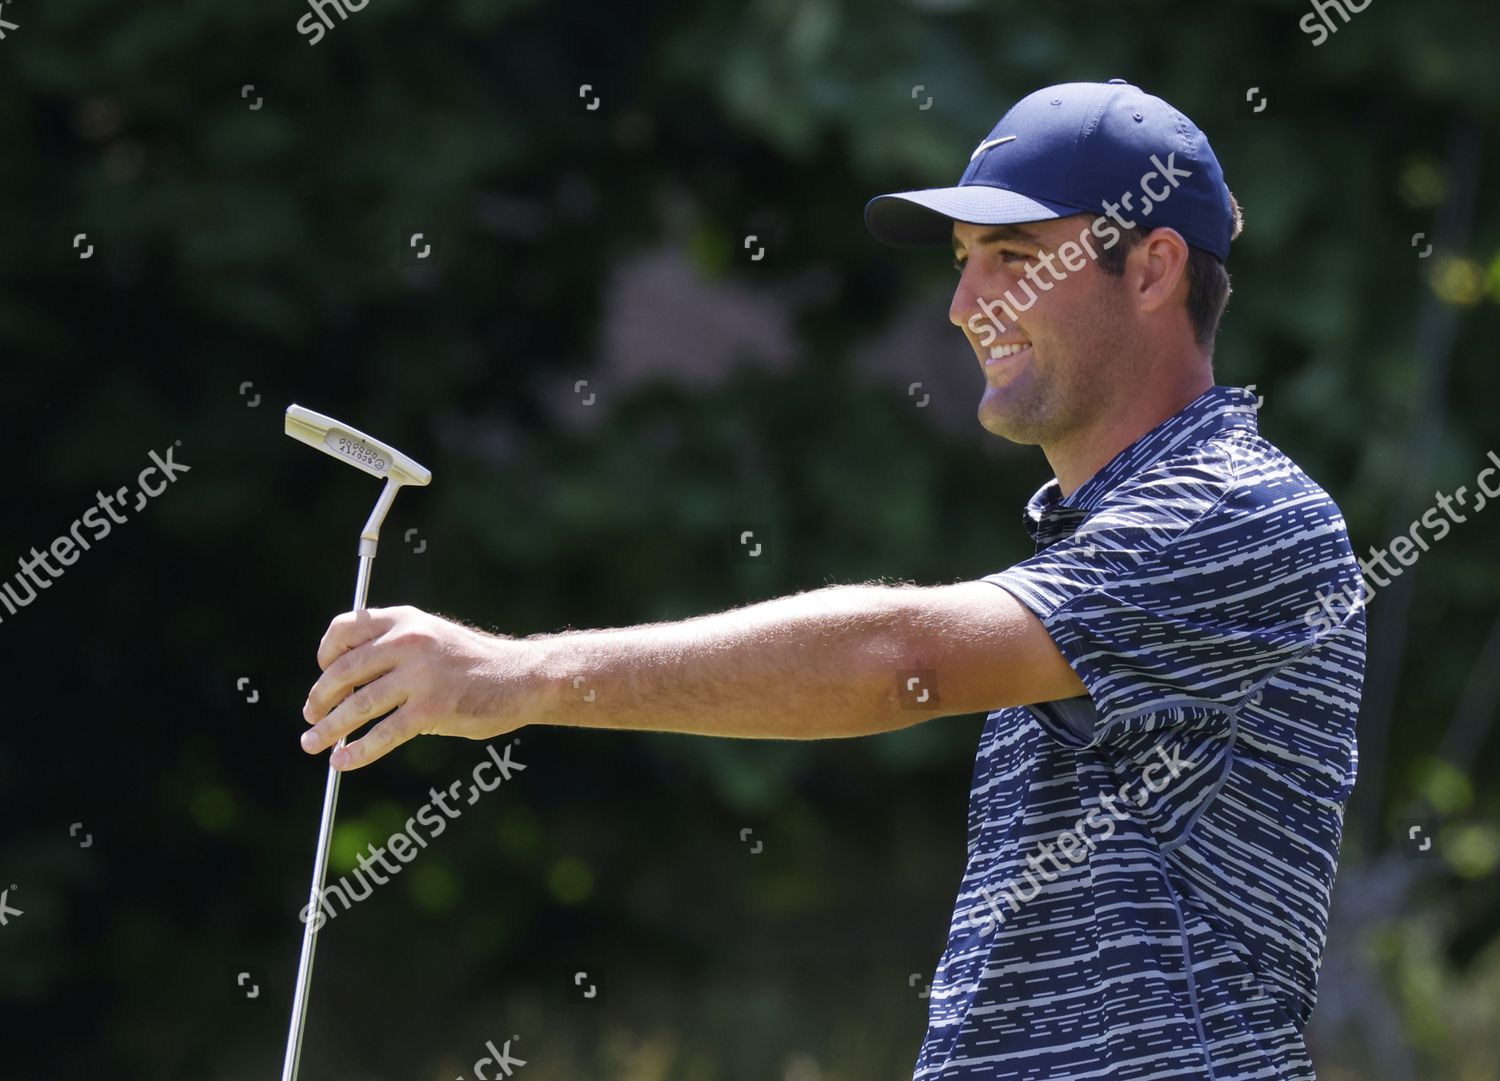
(1179,596)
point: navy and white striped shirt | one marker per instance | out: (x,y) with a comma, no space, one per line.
(1150,865)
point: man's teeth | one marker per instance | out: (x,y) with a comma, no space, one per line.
(1001,351)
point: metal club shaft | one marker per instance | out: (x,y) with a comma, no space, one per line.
(368,541)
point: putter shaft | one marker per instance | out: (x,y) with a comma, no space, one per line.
(368,541)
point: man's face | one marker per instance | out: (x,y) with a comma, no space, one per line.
(1071,322)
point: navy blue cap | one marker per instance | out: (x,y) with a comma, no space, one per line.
(1069,149)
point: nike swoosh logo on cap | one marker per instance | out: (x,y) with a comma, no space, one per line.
(982,147)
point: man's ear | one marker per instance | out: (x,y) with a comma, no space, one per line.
(1159,269)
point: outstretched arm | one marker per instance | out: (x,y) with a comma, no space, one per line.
(817,665)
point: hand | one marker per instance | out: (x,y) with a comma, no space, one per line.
(439,677)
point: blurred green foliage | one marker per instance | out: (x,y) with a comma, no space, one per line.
(265,246)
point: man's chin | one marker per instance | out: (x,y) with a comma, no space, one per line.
(1003,418)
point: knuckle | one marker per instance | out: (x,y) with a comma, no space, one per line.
(318,701)
(412,638)
(381,737)
(351,666)
(332,644)
(398,729)
(362,702)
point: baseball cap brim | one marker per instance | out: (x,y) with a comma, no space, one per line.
(924,219)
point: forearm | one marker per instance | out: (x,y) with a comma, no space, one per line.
(815,665)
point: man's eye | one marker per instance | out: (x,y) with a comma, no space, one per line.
(1005,257)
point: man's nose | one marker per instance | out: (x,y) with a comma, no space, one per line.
(965,301)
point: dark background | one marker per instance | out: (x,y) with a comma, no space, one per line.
(244,258)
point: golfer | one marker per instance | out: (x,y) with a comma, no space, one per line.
(1159,788)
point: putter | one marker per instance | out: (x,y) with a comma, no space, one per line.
(379,460)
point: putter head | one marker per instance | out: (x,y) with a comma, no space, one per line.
(349,444)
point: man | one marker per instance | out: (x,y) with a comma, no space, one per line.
(1158,794)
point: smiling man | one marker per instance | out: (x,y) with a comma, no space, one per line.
(1158,794)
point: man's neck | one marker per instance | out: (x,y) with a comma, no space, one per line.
(1079,458)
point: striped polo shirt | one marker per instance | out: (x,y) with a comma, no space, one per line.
(1149,865)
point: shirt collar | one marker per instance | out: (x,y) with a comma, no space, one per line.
(1050,516)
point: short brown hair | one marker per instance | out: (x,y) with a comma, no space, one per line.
(1208,280)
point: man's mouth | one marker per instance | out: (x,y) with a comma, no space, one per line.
(1000,353)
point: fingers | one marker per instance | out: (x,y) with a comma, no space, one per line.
(376,743)
(365,676)
(353,629)
(359,666)
(365,704)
